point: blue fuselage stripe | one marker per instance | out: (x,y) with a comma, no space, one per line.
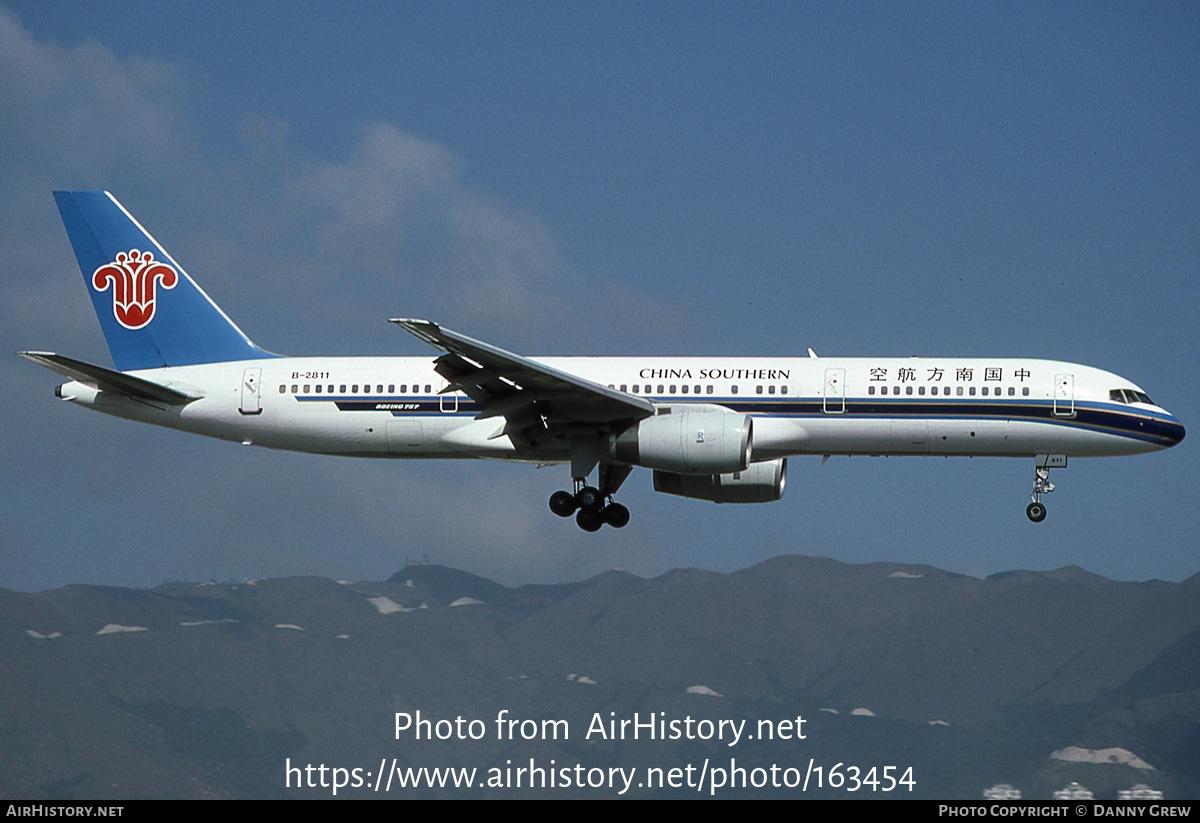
(1144,425)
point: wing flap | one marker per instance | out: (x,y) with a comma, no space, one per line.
(521,389)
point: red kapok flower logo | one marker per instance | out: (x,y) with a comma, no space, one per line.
(133,276)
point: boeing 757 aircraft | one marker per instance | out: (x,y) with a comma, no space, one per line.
(710,428)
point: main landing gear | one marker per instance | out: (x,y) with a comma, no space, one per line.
(1036,511)
(593,507)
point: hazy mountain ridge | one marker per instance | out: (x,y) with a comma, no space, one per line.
(203,690)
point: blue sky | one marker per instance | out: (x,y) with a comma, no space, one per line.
(621,178)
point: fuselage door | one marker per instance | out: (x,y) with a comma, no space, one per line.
(834,396)
(1064,395)
(251,400)
(448,403)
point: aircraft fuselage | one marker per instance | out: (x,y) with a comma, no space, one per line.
(394,406)
(710,428)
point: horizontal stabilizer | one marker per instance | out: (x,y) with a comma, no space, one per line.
(107,379)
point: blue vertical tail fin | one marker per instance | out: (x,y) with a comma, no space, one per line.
(151,312)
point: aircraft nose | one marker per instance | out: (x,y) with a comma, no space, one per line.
(1175,431)
(1170,430)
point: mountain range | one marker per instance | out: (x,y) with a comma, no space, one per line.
(1033,679)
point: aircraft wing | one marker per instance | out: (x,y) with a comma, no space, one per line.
(536,401)
(106,379)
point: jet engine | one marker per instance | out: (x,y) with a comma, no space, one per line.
(704,441)
(759,483)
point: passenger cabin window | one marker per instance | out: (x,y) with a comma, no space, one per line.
(733,389)
(283,389)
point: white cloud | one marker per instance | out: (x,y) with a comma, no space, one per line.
(395,226)
(83,110)
(400,207)
(309,255)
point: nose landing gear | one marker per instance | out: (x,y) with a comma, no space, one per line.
(1036,511)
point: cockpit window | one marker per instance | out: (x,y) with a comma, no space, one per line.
(1129,396)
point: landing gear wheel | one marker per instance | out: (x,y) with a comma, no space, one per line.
(562,503)
(1036,512)
(589,520)
(590,498)
(616,515)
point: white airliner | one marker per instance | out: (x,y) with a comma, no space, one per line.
(711,428)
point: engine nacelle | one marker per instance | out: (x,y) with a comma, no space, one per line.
(705,440)
(760,483)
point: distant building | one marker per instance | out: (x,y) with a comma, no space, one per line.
(1002,791)
(1073,791)
(1140,792)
